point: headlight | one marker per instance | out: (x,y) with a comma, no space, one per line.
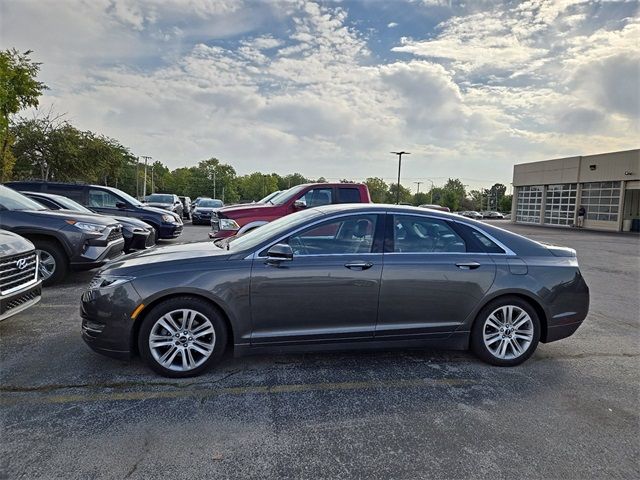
(228,224)
(168,218)
(89,227)
(109,281)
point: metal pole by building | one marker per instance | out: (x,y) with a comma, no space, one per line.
(399,167)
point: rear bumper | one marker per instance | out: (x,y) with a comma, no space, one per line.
(19,301)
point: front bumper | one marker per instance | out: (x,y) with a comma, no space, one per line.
(19,301)
(170,230)
(97,255)
(107,326)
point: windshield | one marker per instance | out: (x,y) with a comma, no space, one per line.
(287,195)
(269,197)
(12,200)
(69,204)
(210,203)
(255,237)
(158,198)
(125,196)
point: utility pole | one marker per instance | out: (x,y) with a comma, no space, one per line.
(214,184)
(399,167)
(152,183)
(137,178)
(144,185)
(431,192)
(418,183)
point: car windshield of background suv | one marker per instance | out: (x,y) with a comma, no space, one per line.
(160,198)
(12,200)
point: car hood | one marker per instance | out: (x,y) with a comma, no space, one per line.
(174,253)
(241,210)
(207,209)
(162,211)
(132,222)
(158,204)
(13,244)
(72,215)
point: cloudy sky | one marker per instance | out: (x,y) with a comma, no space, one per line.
(328,88)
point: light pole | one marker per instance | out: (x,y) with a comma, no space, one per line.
(432,187)
(399,166)
(152,183)
(418,184)
(144,186)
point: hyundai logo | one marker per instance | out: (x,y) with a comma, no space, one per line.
(21,263)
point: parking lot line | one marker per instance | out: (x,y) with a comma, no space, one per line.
(201,393)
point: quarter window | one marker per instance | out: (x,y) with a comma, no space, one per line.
(348,195)
(353,234)
(416,234)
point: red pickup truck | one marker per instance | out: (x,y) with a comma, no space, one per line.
(239,219)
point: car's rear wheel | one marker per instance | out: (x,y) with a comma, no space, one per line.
(182,337)
(53,262)
(506,332)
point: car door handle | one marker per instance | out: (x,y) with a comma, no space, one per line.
(467,265)
(358,265)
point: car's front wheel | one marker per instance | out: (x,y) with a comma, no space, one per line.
(182,337)
(506,332)
(53,263)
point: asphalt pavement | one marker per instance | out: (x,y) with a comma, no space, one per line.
(570,412)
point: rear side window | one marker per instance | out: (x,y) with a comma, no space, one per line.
(348,195)
(46,202)
(67,191)
(416,234)
(480,242)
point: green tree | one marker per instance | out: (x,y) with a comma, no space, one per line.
(256,185)
(214,179)
(496,192)
(405,194)
(505,203)
(453,192)
(291,180)
(19,89)
(421,199)
(377,189)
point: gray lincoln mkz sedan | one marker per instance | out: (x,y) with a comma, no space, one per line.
(338,277)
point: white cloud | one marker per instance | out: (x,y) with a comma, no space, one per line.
(294,86)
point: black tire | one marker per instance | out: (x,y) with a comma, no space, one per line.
(58,255)
(204,308)
(483,352)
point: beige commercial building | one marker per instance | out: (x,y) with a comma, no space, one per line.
(607,185)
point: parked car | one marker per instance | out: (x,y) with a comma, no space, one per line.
(239,219)
(186,207)
(20,285)
(202,213)
(494,215)
(137,234)
(314,280)
(194,204)
(64,240)
(436,207)
(472,214)
(110,201)
(165,201)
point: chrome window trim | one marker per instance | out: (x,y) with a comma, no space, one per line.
(507,250)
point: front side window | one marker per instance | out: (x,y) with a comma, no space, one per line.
(318,197)
(347,235)
(416,234)
(102,199)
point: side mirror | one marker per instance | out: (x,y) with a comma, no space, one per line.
(280,252)
(121,205)
(300,204)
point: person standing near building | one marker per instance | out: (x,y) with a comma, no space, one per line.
(581,213)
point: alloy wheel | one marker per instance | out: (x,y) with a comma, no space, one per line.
(182,340)
(47,266)
(508,332)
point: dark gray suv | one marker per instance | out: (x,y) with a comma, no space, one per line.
(314,280)
(64,239)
